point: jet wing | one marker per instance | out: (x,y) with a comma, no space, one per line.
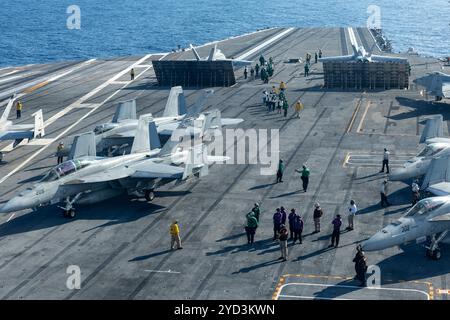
(440,189)
(446,89)
(230,121)
(104,176)
(168,128)
(20,127)
(142,170)
(16,135)
(121,135)
(338,58)
(152,170)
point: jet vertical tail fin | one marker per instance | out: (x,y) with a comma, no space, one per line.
(176,103)
(437,178)
(195,110)
(5,114)
(146,138)
(39,128)
(433,128)
(197,56)
(125,110)
(212,53)
(83,146)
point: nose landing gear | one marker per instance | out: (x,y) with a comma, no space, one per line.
(68,209)
(433,250)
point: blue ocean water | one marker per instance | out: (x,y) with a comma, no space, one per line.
(36,31)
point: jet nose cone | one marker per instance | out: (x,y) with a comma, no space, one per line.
(376,242)
(16,204)
(8,207)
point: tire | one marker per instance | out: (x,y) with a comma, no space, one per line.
(436,254)
(65,214)
(429,253)
(149,195)
(69,213)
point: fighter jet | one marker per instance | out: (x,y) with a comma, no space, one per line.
(361,55)
(427,219)
(121,130)
(89,179)
(436,84)
(435,146)
(19,132)
(217,55)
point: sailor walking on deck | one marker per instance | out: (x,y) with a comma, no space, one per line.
(384,193)
(19,108)
(245,72)
(283,243)
(280,171)
(298,108)
(304,176)
(175,235)
(351,214)
(318,213)
(277,217)
(59,152)
(337,223)
(132,74)
(385,161)
(360,266)
(298,228)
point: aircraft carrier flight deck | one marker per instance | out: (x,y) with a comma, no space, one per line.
(122,245)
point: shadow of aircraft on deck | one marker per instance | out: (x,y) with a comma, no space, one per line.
(107,213)
(420,108)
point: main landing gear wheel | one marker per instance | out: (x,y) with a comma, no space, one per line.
(149,195)
(434,254)
(69,213)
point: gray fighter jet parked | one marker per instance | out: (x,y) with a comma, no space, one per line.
(216,55)
(89,179)
(436,84)
(19,132)
(121,130)
(435,146)
(428,221)
(360,54)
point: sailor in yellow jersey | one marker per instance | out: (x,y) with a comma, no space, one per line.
(175,234)
(298,108)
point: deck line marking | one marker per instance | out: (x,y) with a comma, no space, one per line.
(25,86)
(9,73)
(358,130)
(78,102)
(162,271)
(13,77)
(265,43)
(12,216)
(355,112)
(351,287)
(282,280)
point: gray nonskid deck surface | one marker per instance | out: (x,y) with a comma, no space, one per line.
(122,245)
